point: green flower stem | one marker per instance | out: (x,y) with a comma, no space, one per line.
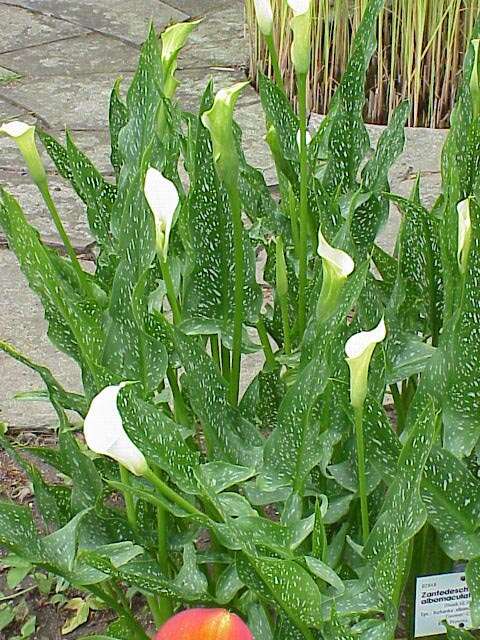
(165,607)
(362,477)
(277,73)
(292,206)
(82,279)
(154,607)
(267,347)
(180,408)
(287,341)
(129,502)
(236,207)
(399,408)
(162,609)
(172,495)
(303,257)
(137,632)
(226,363)
(172,298)
(215,350)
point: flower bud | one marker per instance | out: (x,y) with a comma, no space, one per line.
(24,136)
(359,350)
(264,15)
(337,266)
(173,41)
(219,121)
(464,234)
(301,24)
(104,433)
(475,80)
(281,276)
(204,624)
(162,197)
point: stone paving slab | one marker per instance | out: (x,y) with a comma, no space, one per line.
(199,8)
(67,101)
(70,207)
(9,111)
(119,18)
(95,144)
(218,41)
(22,28)
(89,53)
(22,324)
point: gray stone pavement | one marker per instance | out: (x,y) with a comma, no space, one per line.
(65,56)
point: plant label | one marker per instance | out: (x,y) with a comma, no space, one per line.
(441,598)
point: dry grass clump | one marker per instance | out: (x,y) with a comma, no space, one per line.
(420,51)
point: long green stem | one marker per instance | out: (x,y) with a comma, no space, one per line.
(172,495)
(162,609)
(226,365)
(125,614)
(129,502)
(362,477)
(82,279)
(215,350)
(165,607)
(180,408)
(287,342)
(303,257)
(277,73)
(267,347)
(172,298)
(236,207)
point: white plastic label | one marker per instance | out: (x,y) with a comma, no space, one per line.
(440,598)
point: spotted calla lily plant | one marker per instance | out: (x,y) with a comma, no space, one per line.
(278,422)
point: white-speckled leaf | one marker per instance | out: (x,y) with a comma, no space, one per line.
(159,438)
(285,583)
(473,581)
(228,435)
(209,281)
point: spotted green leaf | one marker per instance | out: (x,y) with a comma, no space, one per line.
(228,435)
(159,438)
(285,583)
(209,282)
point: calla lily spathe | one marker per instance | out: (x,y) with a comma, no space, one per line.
(104,433)
(24,136)
(301,26)
(173,41)
(204,624)
(163,199)
(335,259)
(219,121)
(337,266)
(264,15)
(464,233)
(359,350)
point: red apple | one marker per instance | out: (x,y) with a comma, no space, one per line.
(204,624)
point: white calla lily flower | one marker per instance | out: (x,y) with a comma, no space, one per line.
(163,199)
(337,266)
(219,121)
(24,135)
(105,435)
(264,15)
(464,233)
(174,39)
(301,24)
(359,350)
(341,263)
